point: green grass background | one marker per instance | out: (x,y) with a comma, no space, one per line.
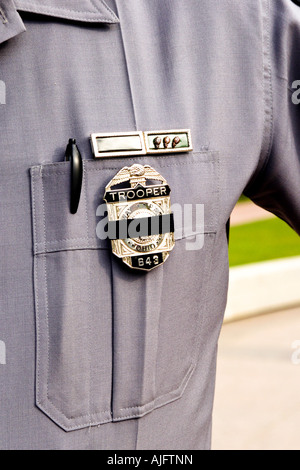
(261,241)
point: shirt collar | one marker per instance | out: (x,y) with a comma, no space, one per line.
(11,23)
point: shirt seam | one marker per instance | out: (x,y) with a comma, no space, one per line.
(268,132)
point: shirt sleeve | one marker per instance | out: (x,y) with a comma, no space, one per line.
(276,184)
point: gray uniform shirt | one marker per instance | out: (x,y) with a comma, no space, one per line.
(94,355)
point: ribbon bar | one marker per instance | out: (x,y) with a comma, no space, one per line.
(122,144)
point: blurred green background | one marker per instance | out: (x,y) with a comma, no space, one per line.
(261,241)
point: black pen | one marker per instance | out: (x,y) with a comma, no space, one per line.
(72,154)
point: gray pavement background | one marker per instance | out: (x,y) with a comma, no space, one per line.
(257,399)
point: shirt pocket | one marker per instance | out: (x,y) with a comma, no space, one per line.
(115,343)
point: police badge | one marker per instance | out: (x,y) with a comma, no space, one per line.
(141,226)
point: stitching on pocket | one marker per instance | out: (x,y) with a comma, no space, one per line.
(217,204)
(50,173)
(89,163)
(157,399)
(51,242)
(36,285)
(72,427)
(200,318)
(46,288)
(70,248)
(89,290)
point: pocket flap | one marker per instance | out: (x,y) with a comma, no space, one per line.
(92,11)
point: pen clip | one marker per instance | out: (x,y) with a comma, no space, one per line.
(73,155)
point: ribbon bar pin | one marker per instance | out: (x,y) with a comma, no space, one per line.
(124,144)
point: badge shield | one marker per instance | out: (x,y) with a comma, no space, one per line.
(140,223)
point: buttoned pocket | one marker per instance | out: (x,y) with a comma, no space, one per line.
(115,343)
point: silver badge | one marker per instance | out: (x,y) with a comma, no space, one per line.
(140,226)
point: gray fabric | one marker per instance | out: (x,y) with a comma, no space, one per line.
(77,10)
(122,359)
(11,23)
(72,282)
